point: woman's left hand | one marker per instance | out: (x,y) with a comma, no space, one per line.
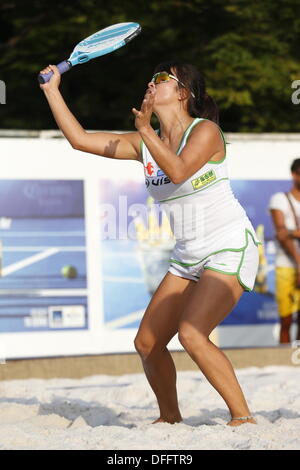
(143,117)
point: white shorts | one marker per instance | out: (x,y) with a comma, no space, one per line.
(242,262)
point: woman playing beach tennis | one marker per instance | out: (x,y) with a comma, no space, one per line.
(215,258)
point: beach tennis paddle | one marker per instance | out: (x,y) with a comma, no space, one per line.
(103,42)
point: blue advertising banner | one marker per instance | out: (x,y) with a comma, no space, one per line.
(43,276)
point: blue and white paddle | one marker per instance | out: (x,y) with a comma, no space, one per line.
(103,42)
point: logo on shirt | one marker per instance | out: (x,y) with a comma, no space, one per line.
(149,169)
(204,179)
(157,181)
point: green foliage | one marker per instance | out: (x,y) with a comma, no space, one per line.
(248,52)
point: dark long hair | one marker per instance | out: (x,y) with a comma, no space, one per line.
(202,105)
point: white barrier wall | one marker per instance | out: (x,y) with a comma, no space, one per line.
(43,313)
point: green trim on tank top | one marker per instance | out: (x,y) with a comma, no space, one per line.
(141,150)
(189,128)
(157,131)
(142,144)
(190,194)
(247,231)
(222,135)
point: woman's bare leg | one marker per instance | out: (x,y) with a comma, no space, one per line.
(157,328)
(161,374)
(212,299)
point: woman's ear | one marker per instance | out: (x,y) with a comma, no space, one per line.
(183,94)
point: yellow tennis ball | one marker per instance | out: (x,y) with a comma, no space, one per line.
(70,272)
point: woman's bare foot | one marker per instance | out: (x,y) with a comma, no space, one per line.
(238,422)
(171,420)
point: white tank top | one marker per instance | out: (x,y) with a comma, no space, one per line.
(203,206)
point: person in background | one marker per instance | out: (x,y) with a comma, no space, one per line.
(285,213)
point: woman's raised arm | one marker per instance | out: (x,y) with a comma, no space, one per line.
(106,144)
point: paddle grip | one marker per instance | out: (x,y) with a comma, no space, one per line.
(63,67)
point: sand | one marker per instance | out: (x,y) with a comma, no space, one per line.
(115,413)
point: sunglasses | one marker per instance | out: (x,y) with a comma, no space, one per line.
(162,77)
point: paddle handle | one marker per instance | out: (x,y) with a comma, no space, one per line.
(63,67)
